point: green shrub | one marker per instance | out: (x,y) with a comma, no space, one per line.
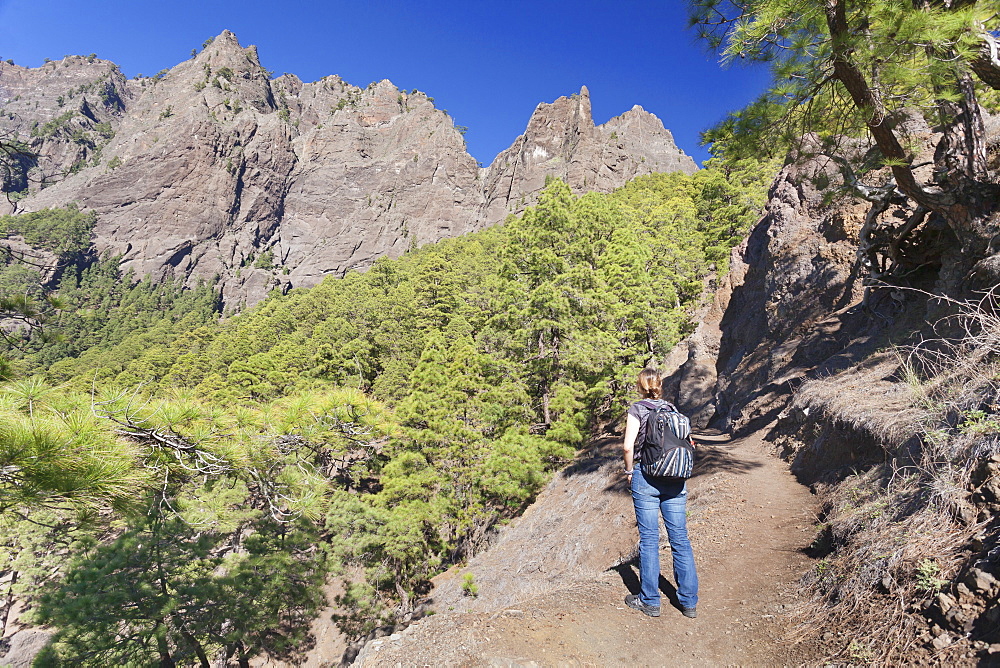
(62,231)
(927,573)
(469,587)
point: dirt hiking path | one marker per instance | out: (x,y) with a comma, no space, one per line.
(749,522)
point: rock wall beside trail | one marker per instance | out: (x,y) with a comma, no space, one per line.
(788,309)
(792,289)
(791,307)
(214,169)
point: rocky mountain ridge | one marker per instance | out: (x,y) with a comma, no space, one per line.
(216,170)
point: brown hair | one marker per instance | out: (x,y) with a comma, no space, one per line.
(649,384)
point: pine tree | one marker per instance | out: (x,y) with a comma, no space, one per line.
(54,454)
(842,68)
(164,593)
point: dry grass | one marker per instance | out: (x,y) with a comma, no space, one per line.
(867,399)
(893,544)
(895,533)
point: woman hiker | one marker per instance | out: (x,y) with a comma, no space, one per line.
(652,496)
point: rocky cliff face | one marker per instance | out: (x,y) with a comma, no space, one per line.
(790,307)
(215,170)
(562,141)
(65,111)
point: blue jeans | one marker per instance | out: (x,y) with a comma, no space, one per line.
(652,496)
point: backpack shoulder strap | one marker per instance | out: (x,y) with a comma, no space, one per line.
(640,438)
(651,406)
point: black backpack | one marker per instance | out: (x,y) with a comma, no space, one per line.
(666,452)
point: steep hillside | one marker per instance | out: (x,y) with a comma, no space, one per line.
(395,416)
(214,169)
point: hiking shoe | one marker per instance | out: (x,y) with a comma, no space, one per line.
(633,601)
(689,612)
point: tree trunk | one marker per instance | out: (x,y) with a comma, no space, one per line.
(962,150)
(404,599)
(8,605)
(191,640)
(241,655)
(868,102)
(166,661)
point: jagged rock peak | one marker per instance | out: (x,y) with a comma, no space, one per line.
(214,169)
(227,37)
(226,51)
(225,42)
(568,114)
(562,140)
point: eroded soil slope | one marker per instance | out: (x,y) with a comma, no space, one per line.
(750,522)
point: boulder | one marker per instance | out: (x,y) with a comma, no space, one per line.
(23,647)
(980,581)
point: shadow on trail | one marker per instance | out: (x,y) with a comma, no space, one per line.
(759,422)
(715,452)
(629,573)
(600,453)
(715,458)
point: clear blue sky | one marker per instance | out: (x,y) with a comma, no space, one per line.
(487,63)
